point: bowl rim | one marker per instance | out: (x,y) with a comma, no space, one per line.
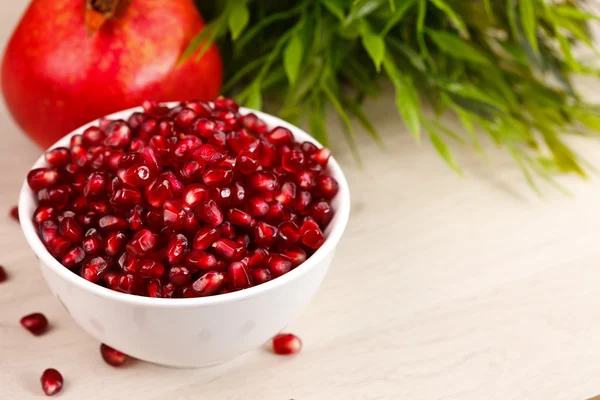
(336,229)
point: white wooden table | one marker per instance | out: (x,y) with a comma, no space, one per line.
(442,288)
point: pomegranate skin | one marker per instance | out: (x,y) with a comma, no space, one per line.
(55,77)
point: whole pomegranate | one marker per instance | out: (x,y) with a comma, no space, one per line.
(71,61)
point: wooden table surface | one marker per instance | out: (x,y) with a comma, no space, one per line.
(443,287)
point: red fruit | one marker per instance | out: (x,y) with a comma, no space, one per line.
(258,258)
(239,217)
(41,178)
(229,250)
(261,275)
(238,276)
(286,194)
(95,186)
(246,162)
(93,269)
(198,259)
(303,200)
(159,192)
(191,171)
(306,180)
(37,101)
(48,231)
(208,284)
(177,248)
(3,275)
(43,213)
(265,234)
(58,157)
(14,213)
(70,229)
(52,382)
(263,182)
(135,218)
(59,246)
(111,356)
(322,213)
(128,263)
(321,156)
(311,234)
(143,241)
(266,154)
(286,343)
(194,194)
(155,288)
(35,323)
(210,212)
(115,243)
(258,206)
(92,243)
(279,265)
(289,233)
(209,154)
(280,136)
(73,257)
(227,230)
(219,176)
(295,254)
(327,186)
(137,176)
(112,223)
(174,215)
(308,148)
(149,268)
(292,161)
(179,275)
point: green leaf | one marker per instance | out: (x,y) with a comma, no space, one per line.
(528,21)
(365,122)
(317,120)
(472,92)
(443,150)
(452,16)
(411,55)
(397,16)
(487,6)
(361,10)
(375,46)
(511,11)
(257,27)
(421,29)
(573,27)
(204,38)
(292,58)
(407,98)
(254,100)
(335,9)
(458,48)
(573,13)
(238,19)
(565,47)
(392,5)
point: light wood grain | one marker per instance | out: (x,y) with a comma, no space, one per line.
(442,288)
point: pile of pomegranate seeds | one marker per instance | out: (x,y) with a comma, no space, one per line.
(191,201)
(286,343)
(52,381)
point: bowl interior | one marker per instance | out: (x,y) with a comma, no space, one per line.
(333,233)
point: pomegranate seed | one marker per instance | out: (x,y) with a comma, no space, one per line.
(263,182)
(191,223)
(287,193)
(135,218)
(209,154)
(227,230)
(149,268)
(137,176)
(194,194)
(229,250)
(306,180)
(179,275)
(226,102)
(159,192)
(42,178)
(92,243)
(118,134)
(289,233)
(155,288)
(48,231)
(3,275)
(184,118)
(124,283)
(200,260)
(59,246)
(258,258)
(279,265)
(327,186)
(191,171)
(95,186)
(322,213)
(174,215)
(286,343)
(35,323)
(73,257)
(93,269)
(112,223)
(70,229)
(115,243)
(308,148)
(52,382)
(292,161)
(295,254)
(14,213)
(246,163)
(321,156)
(238,276)
(136,120)
(43,213)
(142,242)
(280,136)
(258,207)
(239,217)
(311,234)
(211,213)
(177,248)
(265,234)
(261,275)
(275,213)
(111,356)
(266,154)
(202,127)
(58,157)
(208,284)
(217,176)
(137,144)
(128,263)
(92,136)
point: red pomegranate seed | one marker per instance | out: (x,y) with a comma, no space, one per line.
(210,212)
(95,186)
(258,207)
(118,134)
(142,242)
(194,194)
(43,213)
(286,343)
(208,284)
(93,269)
(303,200)
(246,162)
(293,161)
(321,156)
(280,136)
(92,136)
(14,213)
(266,154)
(149,268)
(59,246)
(35,323)
(177,248)
(286,194)
(70,229)
(263,182)
(128,263)
(155,288)
(289,232)
(275,213)
(191,223)
(115,243)
(229,250)
(258,258)
(322,213)
(239,217)
(135,218)
(48,231)
(174,215)
(111,356)
(261,275)
(238,276)
(295,254)
(279,265)
(73,257)
(200,260)
(311,234)
(159,192)
(137,176)
(265,234)
(92,243)
(306,180)
(327,186)
(179,275)
(42,178)
(225,102)
(227,230)
(58,157)
(191,171)
(209,154)
(3,275)
(218,176)
(52,382)
(112,223)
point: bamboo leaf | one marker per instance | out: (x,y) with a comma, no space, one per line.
(292,58)
(392,4)
(407,98)
(238,18)
(565,47)
(528,21)
(397,16)
(374,45)
(364,121)
(259,26)
(412,56)
(458,48)
(454,18)
(573,13)
(487,6)
(421,29)
(317,120)
(443,150)
(346,124)
(334,8)
(254,100)
(511,10)
(361,10)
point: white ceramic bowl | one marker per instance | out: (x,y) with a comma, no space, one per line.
(189,332)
